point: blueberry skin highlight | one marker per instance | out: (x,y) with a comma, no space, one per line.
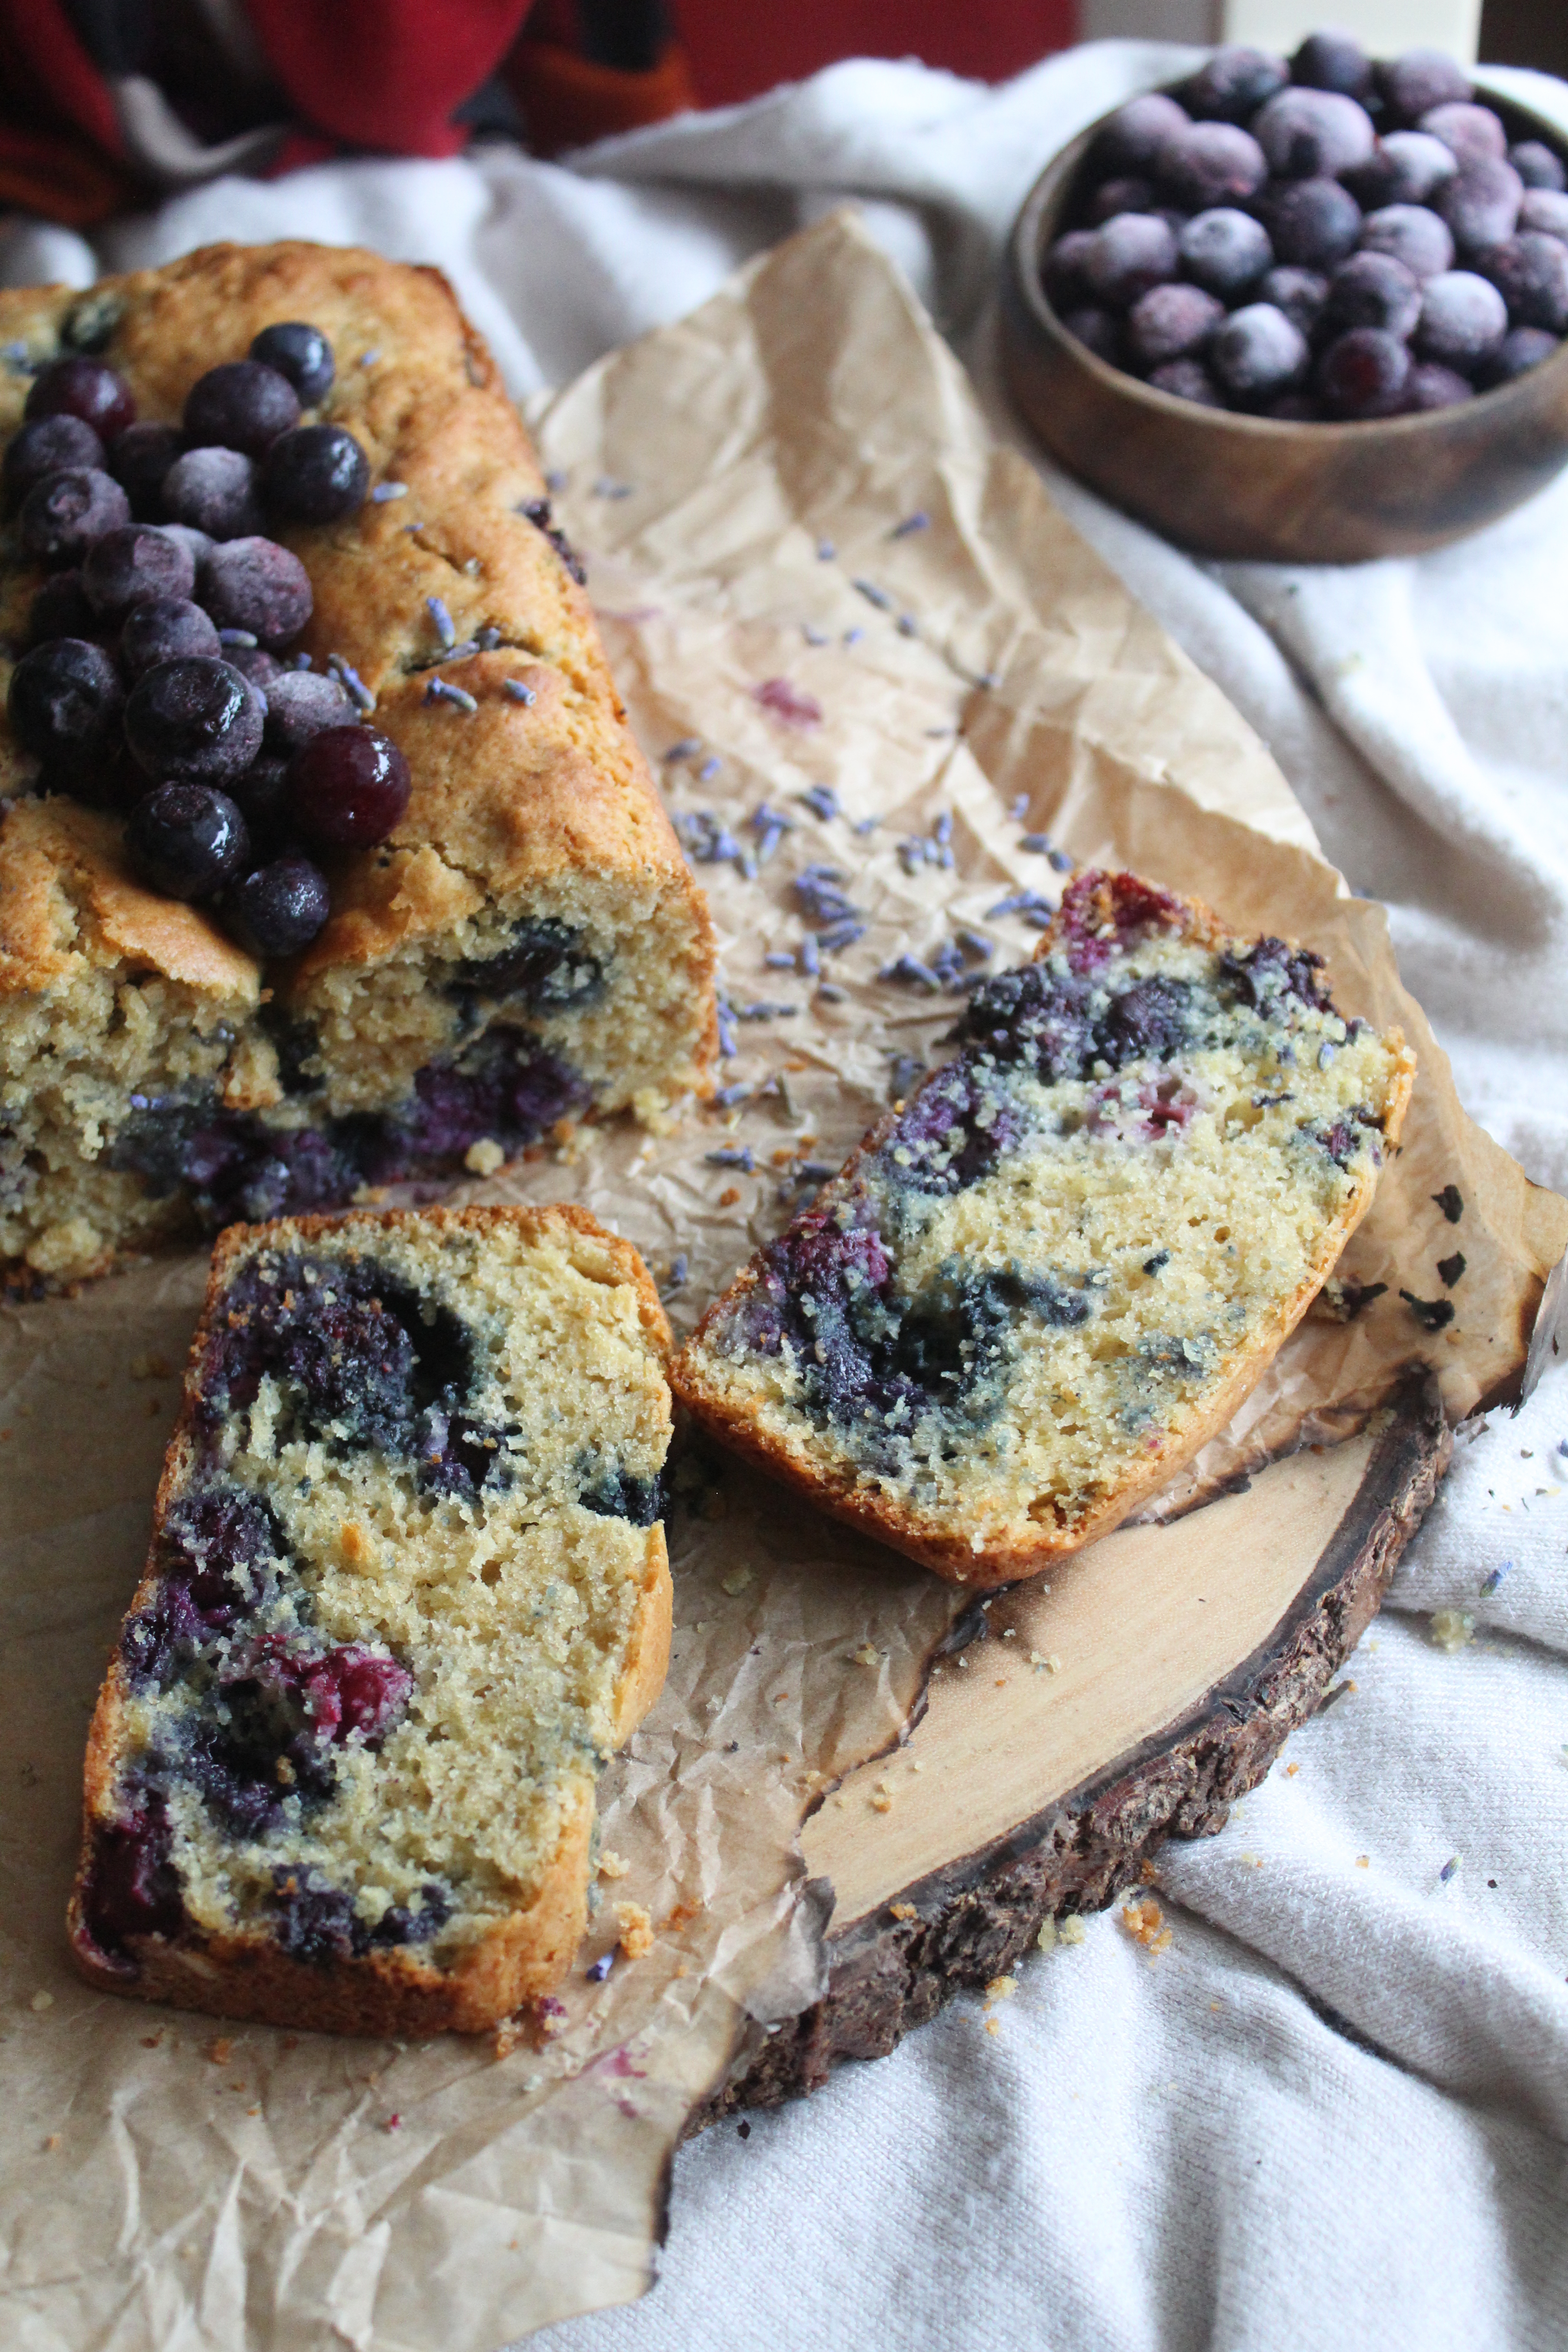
(193,721)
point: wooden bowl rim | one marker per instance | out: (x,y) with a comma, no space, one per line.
(1024,244)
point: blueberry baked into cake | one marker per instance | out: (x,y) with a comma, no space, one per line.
(1048,1277)
(408,1590)
(326,853)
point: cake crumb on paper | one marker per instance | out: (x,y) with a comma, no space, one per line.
(483,1158)
(636,1930)
(611,1864)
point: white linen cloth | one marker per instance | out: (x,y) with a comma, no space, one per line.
(1334,2113)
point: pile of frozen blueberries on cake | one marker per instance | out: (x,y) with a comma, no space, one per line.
(1325,240)
(159,683)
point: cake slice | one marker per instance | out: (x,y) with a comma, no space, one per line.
(1044,1281)
(408,1591)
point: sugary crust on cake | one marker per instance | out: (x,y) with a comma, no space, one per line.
(833,1486)
(395,1992)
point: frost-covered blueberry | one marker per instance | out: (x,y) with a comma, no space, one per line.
(1411,234)
(1480,203)
(84,388)
(1129,195)
(278,909)
(1403,168)
(317,473)
(254,662)
(1098,330)
(1463,320)
(139,458)
(1531,272)
(243,404)
(1188,379)
(1061,273)
(347,787)
(253,584)
(1373,289)
(215,492)
(300,703)
(1300,293)
(1312,223)
(1545,210)
(1469,131)
(186,840)
(166,628)
(196,542)
(261,791)
(1537,166)
(64,702)
(1364,373)
(1131,140)
(49,444)
(1130,253)
(1224,251)
(302,353)
(1420,80)
(61,609)
(1332,61)
(1172,322)
(63,514)
(128,565)
(1258,352)
(1433,386)
(194,721)
(1232,84)
(1208,163)
(1310,135)
(1521,349)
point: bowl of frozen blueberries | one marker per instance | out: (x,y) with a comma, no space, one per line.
(1302,311)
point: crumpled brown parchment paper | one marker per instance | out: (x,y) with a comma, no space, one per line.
(813,570)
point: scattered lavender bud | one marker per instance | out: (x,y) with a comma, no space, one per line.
(443,620)
(516,689)
(1529,271)
(1172,322)
(1232,84)
(821,799)
(1300,293)
(839,936)
(679,1269)
(733,1156)
(1480,203)
(1188,379)
(1469,131)
(440,689)
(684,749)
(918,520)
(1258,352)
(597,1970)
(807,957)
(1133,139)
(909,968)
(1313,223)
(1463,320)
(1097,330)
(1373,289)
(779,959)
(1452,1865)
(1124,195)
(1212,164)
(1131,253)
(1521,349)
(975,944)
(1537,166)
(830,993)
(1432,386)
(710,768)
(1223,251)
(907,1073)
(1420,80)
(1545,211)
(873,595)
(1308,134)
(825,551)
(1332,61)
(1365,373)
(1410,234)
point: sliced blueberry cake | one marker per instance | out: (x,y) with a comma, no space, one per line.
(326,853)
(408,1591)
(1046,1279)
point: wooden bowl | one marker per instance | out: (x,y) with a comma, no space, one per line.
(1224,483)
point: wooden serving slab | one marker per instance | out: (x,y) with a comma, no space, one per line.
(1080,1723)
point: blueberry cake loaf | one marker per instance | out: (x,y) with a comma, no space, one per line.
(326,853)
(1044,1280)
(408,1590)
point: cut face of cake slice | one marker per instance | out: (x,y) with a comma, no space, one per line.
(408,1591)
(1040,1285)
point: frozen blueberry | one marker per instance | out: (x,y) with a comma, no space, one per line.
(61,609)
(1420,80)
(1480,203)
(278,909)
(1172,322)
(1232,84)
(1364,373)
(162,629)
(1313,223)
(215,491)
(255,584)
(1188,379)
(254,662)
(84,388)
(1431,386)
(1403,168)
(1373,289)
(347,786)
(1470,132)
(1258,352)
(1128,255)
(262,793)
(64,702)
(1212,164)
(1537,166)
(300,352)
(1545,210)
(1131,140)
(242,405)
(139,458)
(1411,234)
(1463,320)
(186,840)
(137,560)
(1310,135)
(50,445)
(1097,330)
(1224,251)
(193,720)
(1332,61)
(1531,272)
(1300,293)
(1062,273)
(64,513)
(1125,196)
(317,473)
(300,703)
(1521,349)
